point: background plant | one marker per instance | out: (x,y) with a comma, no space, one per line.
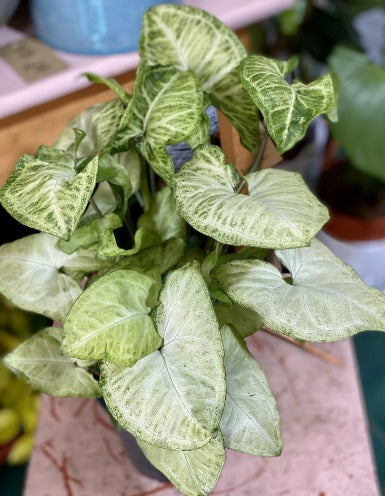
(155,300)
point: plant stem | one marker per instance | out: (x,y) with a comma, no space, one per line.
(152,180)
(255,166)
(129,225)
(322,355)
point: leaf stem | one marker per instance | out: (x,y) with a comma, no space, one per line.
(322,355)
(256,164)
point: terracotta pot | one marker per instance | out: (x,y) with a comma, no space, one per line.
(359,240)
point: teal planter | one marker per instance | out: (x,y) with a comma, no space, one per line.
(90,26)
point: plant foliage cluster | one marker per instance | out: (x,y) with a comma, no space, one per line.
(154,299)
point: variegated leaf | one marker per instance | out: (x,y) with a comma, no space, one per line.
(45,192)
(174,397)
(326,300)
(130,160)
(193,472)
(33,275)
(167,107)
(191,39)
(162,217)
(38,361)
(278,212)
(111,321)
(91,231)
(250,421)
(287,108)
(99,123)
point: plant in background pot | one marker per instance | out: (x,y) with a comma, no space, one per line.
(138,260)
(353,184)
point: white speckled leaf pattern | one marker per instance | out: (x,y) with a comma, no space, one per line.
(111,321)
(99,123)
(38,361)
(45,193)
(326,302)
(32,275)
(250,421)
(279,212)
(192,39)
(194,472)
(174,397)
(167,107)
(287,108)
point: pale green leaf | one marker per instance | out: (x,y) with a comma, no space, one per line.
(45,192)
(245,321)
(193,472)
(326,301)
(167,107)
(174,397)
(191,39)
(162,217)
(110,170)
(287,108)
(32,275)
(99,123)
(290,20)
(38,361)
(250,421)
(104,199)
(111,84)
(130,160)
(111,321)
(278,212)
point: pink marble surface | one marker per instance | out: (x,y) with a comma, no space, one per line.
(326,449)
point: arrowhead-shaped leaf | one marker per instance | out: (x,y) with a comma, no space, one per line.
(110,321)
(250,421)
(278,212)
(191,39)
(99,123)
(162,217)
(166,108)
(45,192)
(326,301)
(193,472)
(174,397)
(38,361)
(287,108)
(33,275)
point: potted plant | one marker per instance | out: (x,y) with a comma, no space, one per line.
(352,183)
(155,300)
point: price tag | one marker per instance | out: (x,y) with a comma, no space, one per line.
(31,59)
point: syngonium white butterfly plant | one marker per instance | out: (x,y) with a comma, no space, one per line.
(138,260)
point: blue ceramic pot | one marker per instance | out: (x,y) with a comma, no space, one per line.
(90,26)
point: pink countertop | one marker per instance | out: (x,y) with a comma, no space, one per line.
(16,95)
(326,448)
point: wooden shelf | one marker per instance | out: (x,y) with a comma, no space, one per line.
(16,95)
